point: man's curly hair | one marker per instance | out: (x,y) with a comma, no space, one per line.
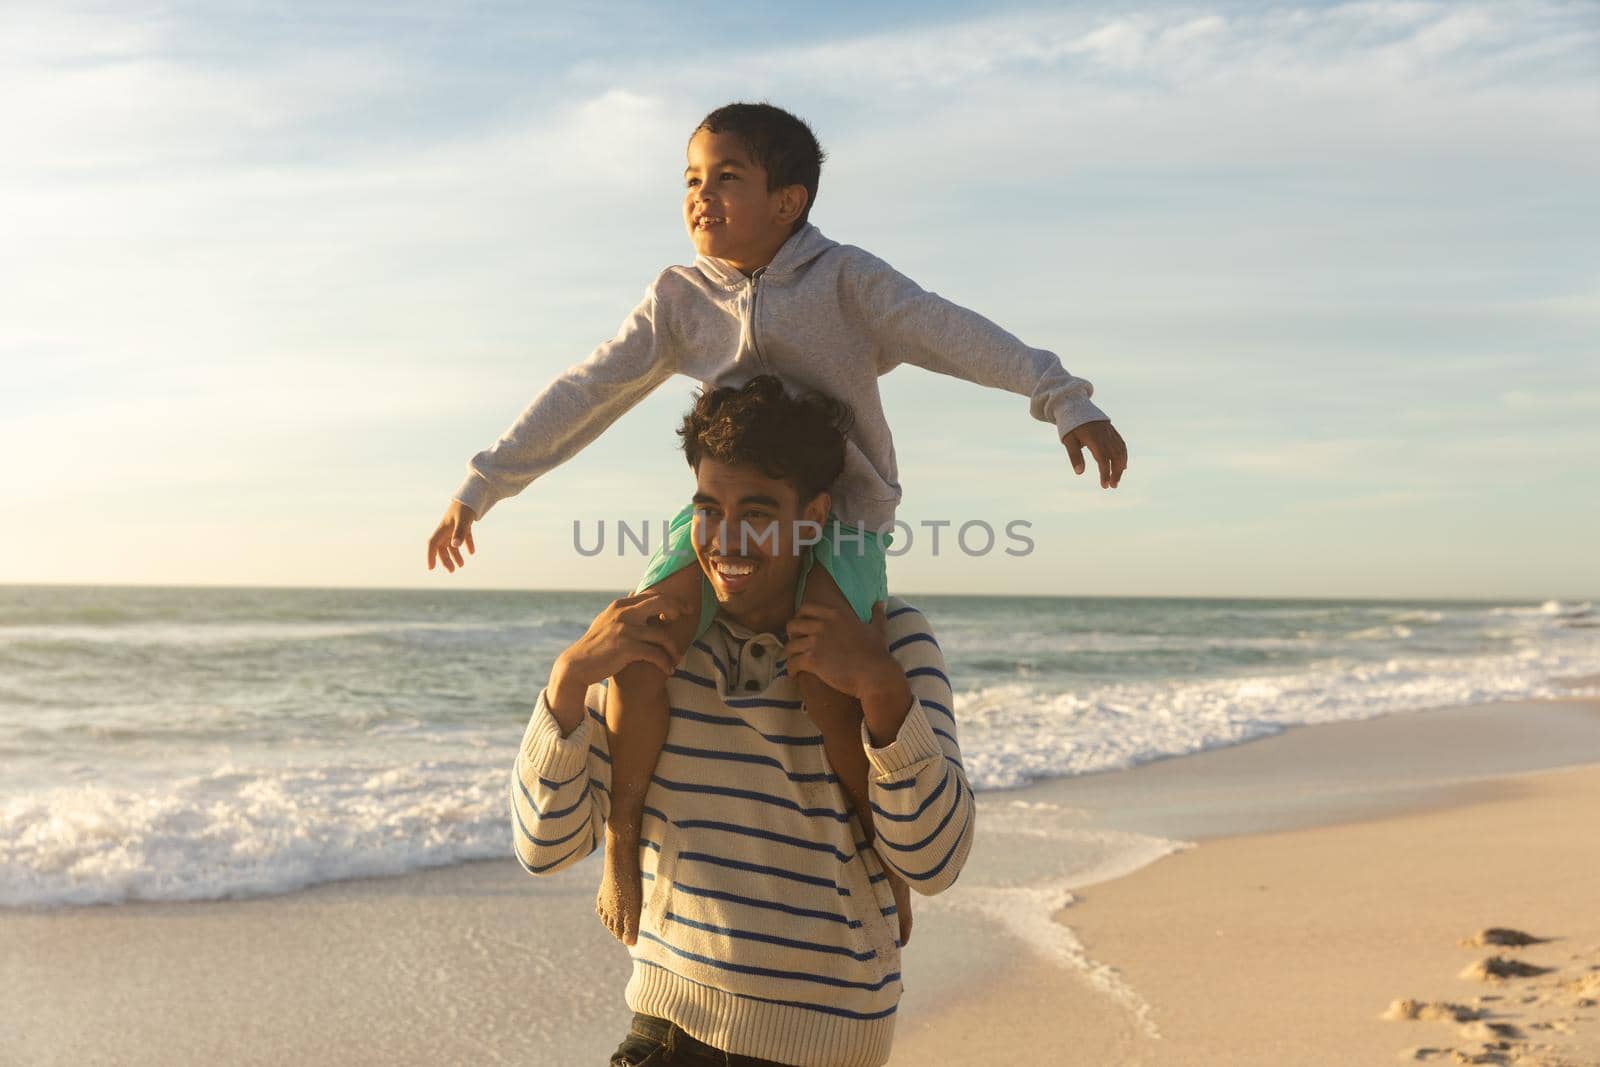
(797,439)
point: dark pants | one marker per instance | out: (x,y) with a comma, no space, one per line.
(660,1043)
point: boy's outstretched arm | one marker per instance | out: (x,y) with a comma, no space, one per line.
(574,409)
(924,329)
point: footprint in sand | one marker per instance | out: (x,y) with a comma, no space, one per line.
(1405,1010)
(1583,991)
(1499,968)
(1453,1055)
(1482,1031)
(1485,1036)
(1501,935)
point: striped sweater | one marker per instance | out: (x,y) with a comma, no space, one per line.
(768,927)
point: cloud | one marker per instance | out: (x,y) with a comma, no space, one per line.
(1386,501)
(1306,459)
(343,244)
(1346,86)
(99,97)
(1525,400)
(1341,47)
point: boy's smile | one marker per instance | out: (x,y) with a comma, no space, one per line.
(727,207)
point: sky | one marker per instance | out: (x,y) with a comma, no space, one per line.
(272,274)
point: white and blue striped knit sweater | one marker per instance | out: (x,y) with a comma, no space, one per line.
(768,927)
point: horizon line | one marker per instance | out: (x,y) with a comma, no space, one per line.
(917,592)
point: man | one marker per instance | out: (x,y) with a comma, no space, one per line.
(769,934)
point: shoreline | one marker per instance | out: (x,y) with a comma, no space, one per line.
(1286,944)
(1317,774)
(477,962)
(1302,947)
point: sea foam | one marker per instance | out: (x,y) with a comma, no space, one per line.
(172,745)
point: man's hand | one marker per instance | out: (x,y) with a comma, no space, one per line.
(627,631)
(853,658)
(454,529)
(1105,444)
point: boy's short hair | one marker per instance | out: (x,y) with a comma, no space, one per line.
(796,439)
(782,143)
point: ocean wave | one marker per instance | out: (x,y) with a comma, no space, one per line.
(1566,609)
(1415,617)
(238,832)
(1013,733)
(110,796)
(1393,632)
(188,634)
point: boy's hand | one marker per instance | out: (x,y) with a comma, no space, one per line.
(1105,444)
(454,529)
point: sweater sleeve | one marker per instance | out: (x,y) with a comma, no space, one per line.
(574,409)
(559,790)
(921,801)
(926,330)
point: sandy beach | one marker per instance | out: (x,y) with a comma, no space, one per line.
(1291,947)
(1311,881)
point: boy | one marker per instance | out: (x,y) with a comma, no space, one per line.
(767,293)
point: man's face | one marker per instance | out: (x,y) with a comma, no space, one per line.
(726,206)
(745,538)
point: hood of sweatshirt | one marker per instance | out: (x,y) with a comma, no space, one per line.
(804,245)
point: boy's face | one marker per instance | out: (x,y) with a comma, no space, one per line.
(745,539)
(730,214)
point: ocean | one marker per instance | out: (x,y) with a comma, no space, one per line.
(202,743)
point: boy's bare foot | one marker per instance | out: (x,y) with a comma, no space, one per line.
(620,898)
(902,904)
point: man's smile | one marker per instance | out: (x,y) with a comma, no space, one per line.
(732,572)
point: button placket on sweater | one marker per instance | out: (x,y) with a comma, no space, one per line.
(754,665)
(757,657)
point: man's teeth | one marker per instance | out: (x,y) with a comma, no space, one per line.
(732,568)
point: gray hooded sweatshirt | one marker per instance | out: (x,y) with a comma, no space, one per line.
(821,316)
